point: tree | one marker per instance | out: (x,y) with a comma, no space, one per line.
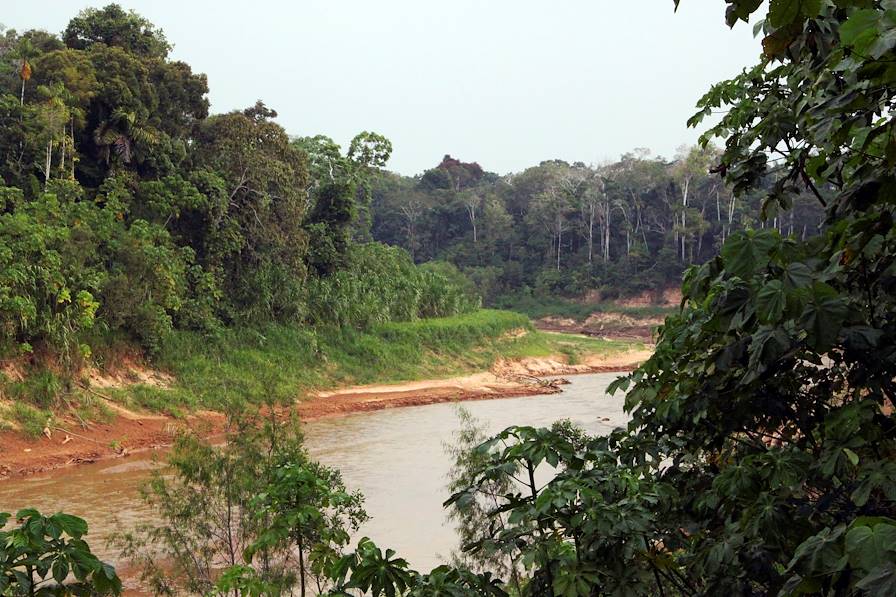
(305,507)
(24,51)
(248,505)
(38,557)
(478,517)
(114,27)
(759,459)
(266,180)
(328,226)
(349,175)
(472,203)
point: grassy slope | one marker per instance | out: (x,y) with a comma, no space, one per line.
(282,363)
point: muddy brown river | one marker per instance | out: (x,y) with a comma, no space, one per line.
(396,457)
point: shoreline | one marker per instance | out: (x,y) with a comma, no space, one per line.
(132,432)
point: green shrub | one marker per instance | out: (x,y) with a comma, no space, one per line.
(66,263)
(381,284)
(46,289)
(445,291)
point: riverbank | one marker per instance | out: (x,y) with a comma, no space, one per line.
(484,355)
(635,317)
(396,458)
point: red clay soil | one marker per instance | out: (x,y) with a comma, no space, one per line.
(614,326)
(69,443)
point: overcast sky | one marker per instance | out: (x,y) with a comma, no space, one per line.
(507,83)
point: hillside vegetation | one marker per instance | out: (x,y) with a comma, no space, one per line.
(760,455)
(132,219)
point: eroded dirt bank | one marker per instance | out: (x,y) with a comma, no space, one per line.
(129,432)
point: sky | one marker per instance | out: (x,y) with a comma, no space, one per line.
(506,83)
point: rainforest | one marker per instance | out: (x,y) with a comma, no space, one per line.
(235,326)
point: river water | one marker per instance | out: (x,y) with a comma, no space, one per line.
(396,457)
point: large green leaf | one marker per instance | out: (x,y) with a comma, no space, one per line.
(823,316)
(771,301)
(783,12)
(745,254)
(860,30)
(871,546)
(797,275)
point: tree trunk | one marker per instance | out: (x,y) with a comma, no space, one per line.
(301,566)
(607,229)
(62,159)
(471,212)
(72,130)
(643,228)
(559,241)
(591,233)
(684,223)
(49,164)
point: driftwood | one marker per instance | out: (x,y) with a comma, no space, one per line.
(66,431)
(533,380)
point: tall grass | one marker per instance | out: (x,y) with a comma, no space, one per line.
(234,367)
(281,363)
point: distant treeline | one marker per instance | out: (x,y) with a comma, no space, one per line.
(558,228)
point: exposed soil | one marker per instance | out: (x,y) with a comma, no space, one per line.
(604,325)
(667,297)
(70,443)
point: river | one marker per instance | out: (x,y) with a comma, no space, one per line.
(396,457)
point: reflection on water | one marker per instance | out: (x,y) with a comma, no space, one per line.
(395,457)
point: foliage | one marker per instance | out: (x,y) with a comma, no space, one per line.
(43,296)
(373,571)
(40,555)
(381,284)
(260,500)
(127,211)
(307,510)
(327,227)
(112,26)
(475,517)
(759,457)
(561,229)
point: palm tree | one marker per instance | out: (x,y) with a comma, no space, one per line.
(24,50)
(119,133)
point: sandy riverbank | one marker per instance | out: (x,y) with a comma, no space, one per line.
(131,432)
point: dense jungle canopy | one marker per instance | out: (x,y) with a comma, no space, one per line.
(760,455)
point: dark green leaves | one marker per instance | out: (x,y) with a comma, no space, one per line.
(784,12)
(823,316)
(865,549)
(870,33)
(46,550)
(871,545)
(771,301)
(797,275)
(746,253)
